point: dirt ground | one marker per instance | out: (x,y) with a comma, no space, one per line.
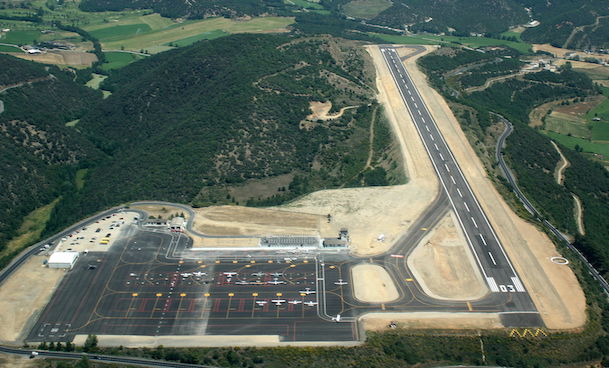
(431,320)
(72,58)
(444,265)
(16,361)
(165,211)
(23,296)
(321,111)
(578,210)
(562,164)
(554,288)
(372,284)
(561,53)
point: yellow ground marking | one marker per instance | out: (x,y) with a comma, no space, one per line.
(383,306)
(248,266)
(408,279)
(332,266)
(206,294)
(279,294)
(159,294)
(199,262)
(252,261)
(526,332)
(134,294)
(181,262)
(182,294)
(469,306)
(305,261)
(234,261)
(424,229)
(254,294)
(231,294)
(217,261)
(292,265)
(203,266)
(269,261)
(303,294)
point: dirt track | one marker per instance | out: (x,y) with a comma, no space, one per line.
(554,288)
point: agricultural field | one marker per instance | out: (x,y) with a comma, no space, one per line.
(366,9)
(428,39)
(586,145)
(203,36)
(117,60)
(602,110)
(563,124)
(9,48)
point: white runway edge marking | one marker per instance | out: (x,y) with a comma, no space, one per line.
(458,191)
(482,238)
(517,284)
(446,166)
(492,284)
(453,179)
(466,206)
(474,221)
(492,258)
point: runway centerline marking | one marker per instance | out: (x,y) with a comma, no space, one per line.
(466,207)
(474,221)
(482,238)
(458,191)
(492,258)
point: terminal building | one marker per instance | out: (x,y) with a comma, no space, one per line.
(307,242)
(63,260)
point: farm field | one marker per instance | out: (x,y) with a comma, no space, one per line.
(563,124)
(203,36)
(7,48)
(366,9)
(586,145)
(467,41)
(305,4)
(116,60)
(601,110)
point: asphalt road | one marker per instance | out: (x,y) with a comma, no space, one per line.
(488,251)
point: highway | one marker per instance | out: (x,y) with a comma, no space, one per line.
(484,243)
(529,206)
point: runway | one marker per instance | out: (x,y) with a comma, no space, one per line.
(486,247)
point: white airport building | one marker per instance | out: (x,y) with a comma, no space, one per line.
(63,260)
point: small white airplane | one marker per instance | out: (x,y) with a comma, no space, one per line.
(295,302)
(307,291)
(336,319)
(261,302)
(277,274)
(275,282)
(278,302)
(258,274)
(199,274)
(133,274)
(229,274)
(186,274)
(340,282)
(310,304)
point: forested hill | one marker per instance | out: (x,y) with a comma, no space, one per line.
(187,8)
(38,153)
(186,124)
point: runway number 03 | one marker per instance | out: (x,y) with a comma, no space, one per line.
(506,288)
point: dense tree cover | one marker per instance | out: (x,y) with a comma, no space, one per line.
(38,153)
(530,154)
(477,76)
(559,19)
(222,113)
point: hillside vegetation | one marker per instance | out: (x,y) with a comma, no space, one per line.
(38,154)
(192,124)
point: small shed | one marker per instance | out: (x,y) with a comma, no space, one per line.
(63,259)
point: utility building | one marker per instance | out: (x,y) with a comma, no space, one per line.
(177,224)
(63,259)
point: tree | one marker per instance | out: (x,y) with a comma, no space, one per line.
(90,344)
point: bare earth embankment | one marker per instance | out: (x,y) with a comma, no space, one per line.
(554,288)
(372,284)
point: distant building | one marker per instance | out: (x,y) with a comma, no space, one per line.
(290,242)
(63,260)
(177,224)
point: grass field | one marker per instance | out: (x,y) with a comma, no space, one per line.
(586,145)
(115,33)
(602,110)
(31,228)
(116,60)
(564,124)
(157,40)
(96,80)
(523,47)
(5,48)
(366,9)
(79,180)
(600,131)
(203,36)
(17,37)
(305,4)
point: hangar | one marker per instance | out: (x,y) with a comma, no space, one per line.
(63,259)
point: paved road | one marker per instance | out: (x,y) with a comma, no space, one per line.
(488,251)
(529,206)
